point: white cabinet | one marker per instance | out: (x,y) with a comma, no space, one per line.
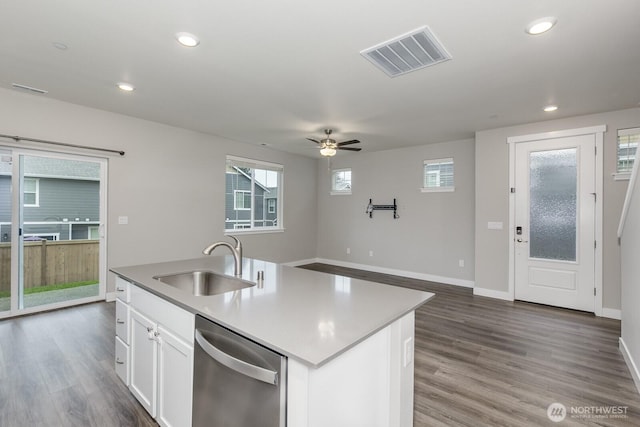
(369,385)
(175,380)
(122,329)
(160,338)
(144,365)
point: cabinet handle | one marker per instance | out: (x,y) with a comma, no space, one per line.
(149,329)
(119,289)
(120,322)
(119,362)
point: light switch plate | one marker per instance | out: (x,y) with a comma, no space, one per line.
(491,225)
(123,220)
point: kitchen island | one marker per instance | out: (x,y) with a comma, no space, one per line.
(348,342)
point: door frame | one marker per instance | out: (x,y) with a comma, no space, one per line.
(16,201)
(598,133)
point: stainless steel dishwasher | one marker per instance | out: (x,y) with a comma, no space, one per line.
(236,382)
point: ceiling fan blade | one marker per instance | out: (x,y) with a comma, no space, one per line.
(313,140)
(349,148)
(352,141)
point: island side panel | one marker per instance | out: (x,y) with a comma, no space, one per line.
(367,386)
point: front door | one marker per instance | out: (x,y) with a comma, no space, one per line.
(555,222)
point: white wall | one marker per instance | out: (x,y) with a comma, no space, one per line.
(434,231)
(170,183)
(630,248)
(492,199)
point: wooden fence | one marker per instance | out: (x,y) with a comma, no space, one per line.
(52,262)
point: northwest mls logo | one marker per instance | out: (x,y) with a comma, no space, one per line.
(556,412)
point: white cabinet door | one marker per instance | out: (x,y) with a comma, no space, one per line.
(122,321)
(175,380)
(144,368)
(122,360)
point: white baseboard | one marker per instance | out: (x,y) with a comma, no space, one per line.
(612,313)
(633,368)
(376,269)
(492,293)
(110,297)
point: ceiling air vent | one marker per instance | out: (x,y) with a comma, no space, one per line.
(409,52)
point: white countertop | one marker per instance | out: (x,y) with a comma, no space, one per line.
(310,316)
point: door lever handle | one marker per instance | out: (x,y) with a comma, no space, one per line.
(519,240)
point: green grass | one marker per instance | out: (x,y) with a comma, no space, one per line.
(6,294)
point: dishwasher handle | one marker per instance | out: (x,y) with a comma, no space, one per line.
(240,366)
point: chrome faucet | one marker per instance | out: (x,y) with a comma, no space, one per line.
(235,250)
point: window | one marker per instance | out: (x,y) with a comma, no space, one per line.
(253,195)
(627,146)
(438,175)
(242,200)
(271,205)
(93,233)
(341,181)
(31,192)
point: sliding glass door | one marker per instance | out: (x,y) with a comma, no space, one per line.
(6,212)
(52,249)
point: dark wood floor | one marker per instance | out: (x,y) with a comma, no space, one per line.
(486,362)
(478,362)
(57,369)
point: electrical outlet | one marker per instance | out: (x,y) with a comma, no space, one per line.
(461,263)
(348,251)
(370,253)
(408,351)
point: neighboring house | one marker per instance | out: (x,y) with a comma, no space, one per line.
(238,201)
(61,199)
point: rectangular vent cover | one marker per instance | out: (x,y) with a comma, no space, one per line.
(409,52)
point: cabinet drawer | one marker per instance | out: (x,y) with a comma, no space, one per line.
(122,360)
(123,289)
(122,321)
(178,320)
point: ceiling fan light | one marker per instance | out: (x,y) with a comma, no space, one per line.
(328,151)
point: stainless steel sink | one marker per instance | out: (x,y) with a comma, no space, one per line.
(201,283)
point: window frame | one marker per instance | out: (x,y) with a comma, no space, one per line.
(337,192)
(249,226)
(36,192)
(439,188)
(627,134)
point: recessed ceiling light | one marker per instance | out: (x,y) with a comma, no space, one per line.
(60,46)
(127,87)
(550,108)
(188,40)
(541,25)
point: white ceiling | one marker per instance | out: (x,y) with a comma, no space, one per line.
(275,72)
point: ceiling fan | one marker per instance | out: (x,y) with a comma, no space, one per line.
(329,146)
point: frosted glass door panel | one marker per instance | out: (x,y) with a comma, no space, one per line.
(553,204)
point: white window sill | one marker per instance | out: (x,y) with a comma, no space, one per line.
(438,189)
(253,231)
(621,176)
(340,193)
